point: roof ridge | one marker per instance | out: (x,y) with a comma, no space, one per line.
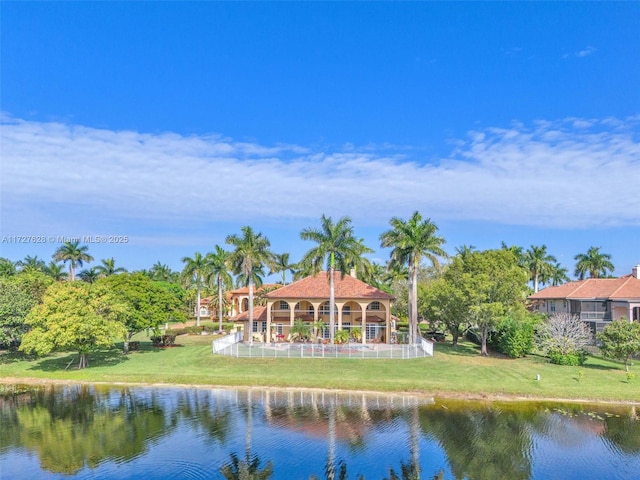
(621,285)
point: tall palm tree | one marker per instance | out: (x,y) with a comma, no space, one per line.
(73,253)
(250,254)
(594,263)
(55,271)
(195,271)
(31,264)
(219,265)
(412,240)
(282,266)
(108,267)
(539,263)
(558,275)
(339,248)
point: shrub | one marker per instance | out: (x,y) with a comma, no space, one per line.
(177,331)
(194,330)
(163,340)
(571,359)
(515,335)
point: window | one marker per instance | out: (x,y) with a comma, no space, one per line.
(324,309)
(283,305)
(279,329)
(374,306)
(371,331)
(255,327)
(259,327)
(552,305)
(346,310)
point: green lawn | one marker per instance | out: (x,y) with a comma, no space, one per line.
(451,371)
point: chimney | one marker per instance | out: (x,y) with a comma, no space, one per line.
(635,272)
(353,272)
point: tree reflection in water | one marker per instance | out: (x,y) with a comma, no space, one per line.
(288,434)
(81,426)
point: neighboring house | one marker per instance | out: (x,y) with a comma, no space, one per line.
(597,301)
(357,305)
(204,308)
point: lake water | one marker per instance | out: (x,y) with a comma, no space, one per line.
(159,433)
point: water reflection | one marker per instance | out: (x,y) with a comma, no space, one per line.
(91,432)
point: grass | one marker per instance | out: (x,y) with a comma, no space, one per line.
(452,372)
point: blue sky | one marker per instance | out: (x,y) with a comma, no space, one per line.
(176,123)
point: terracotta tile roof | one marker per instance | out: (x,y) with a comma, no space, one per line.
(622,288)
(317,286)
(245,290)
(259,315)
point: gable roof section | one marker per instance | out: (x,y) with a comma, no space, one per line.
(318,287)
(622,288)
(259,315)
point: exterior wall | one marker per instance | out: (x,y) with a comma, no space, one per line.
(311,312)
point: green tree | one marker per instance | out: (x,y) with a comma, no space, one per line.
(620,340)
(74,317)
(444,301)
(148,304)
(492,284)
(7,267)
(219,266)
(15,304)
(195,271)
(539,263)
(108,268)
(73,253)
(411,241)
(595,263)
(336,246)
(251,253)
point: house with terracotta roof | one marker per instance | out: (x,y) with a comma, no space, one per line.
(357,305)
(597,301)
(239,298)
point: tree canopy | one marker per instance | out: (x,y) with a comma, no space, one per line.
(74,317)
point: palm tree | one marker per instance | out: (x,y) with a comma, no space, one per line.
(55,271)
(250,254)
(31,264)
(161,272)
(283,266)
(539,263)
(219,265)
(558,274)
(108,268)
(89,275)
(73,253)
(194,273)
(340,249)
(594,263)
(412,240)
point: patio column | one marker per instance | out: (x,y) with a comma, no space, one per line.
(268,332)
(363,327)
(339,307)
(387,322)
(292,314)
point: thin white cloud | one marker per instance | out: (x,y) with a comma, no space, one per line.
(585,52)
(574,173)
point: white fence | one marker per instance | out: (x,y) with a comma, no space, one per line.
(310,350)
(221,343)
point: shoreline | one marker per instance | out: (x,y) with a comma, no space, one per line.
(471,397)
